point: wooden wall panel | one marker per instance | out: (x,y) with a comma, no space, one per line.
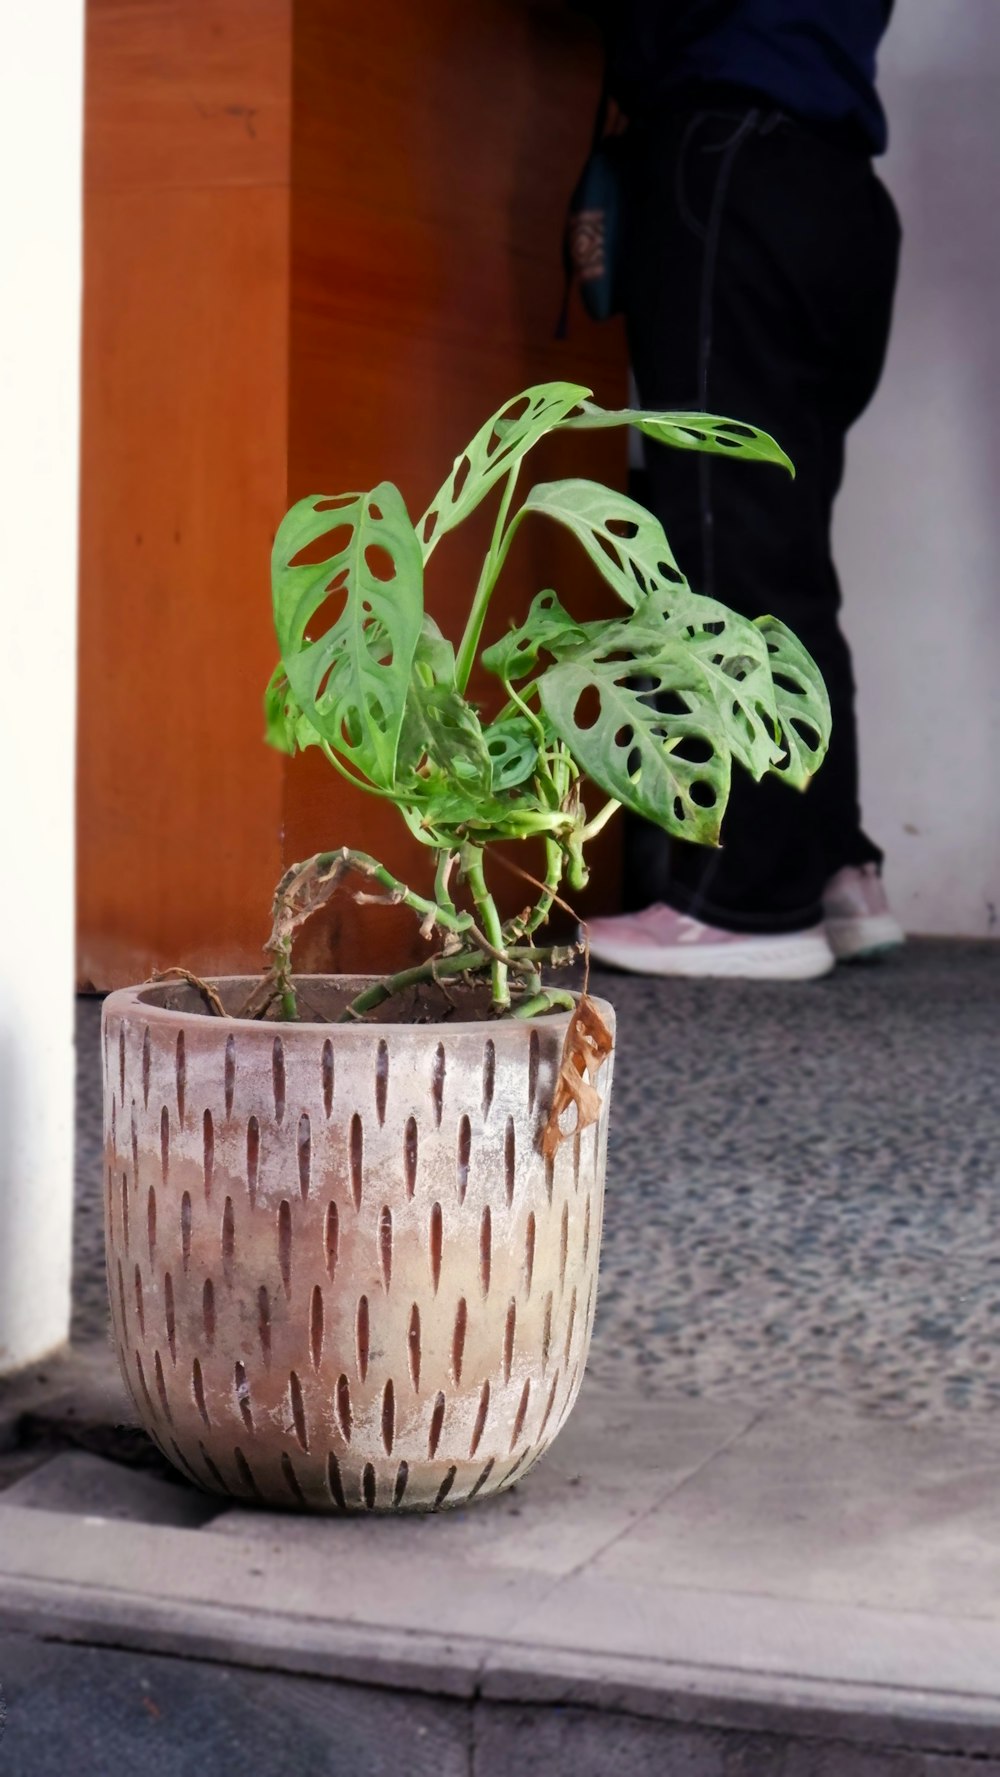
(184,471)
(433,151)
(321,246)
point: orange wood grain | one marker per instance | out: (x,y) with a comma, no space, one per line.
(434,150)
(322,244)
(184,468)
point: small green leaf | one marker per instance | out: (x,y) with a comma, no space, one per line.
(624,541)
(497,447)
(688,431)
(434,660)
(350,680)
(441,727)
(450,814)
(548,625)
(670,764)
(285,727)
(512,745)
(802,703)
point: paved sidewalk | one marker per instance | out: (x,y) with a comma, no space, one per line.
(768,1542)
(678,1587)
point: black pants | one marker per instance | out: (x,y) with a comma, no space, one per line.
(758,277)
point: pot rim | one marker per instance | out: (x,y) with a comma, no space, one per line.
(129,999)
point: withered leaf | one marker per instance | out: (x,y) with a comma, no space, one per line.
(588,1042)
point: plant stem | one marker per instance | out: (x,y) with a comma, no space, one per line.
(360,783)
(309,885)
(442,892)
(547,1001)
(523,928)
(519,704)
(397,893)
(442,968)
(472,869)
(281,975)
(435,969)
(600,819)
(497,555)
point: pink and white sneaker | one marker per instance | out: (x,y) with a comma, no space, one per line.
(857,917)
(661,941)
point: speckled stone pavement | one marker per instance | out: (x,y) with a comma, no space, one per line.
(803,1188)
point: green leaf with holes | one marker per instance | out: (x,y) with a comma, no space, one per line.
(733,656)
(497,448)
(512,743)
(440,726)
(349,671)
(624,541)
(801,700)
(548,626)
(668,764)
(687,431)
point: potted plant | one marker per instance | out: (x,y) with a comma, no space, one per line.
(353,1225)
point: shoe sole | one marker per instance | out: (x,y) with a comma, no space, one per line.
(792,957)
(864,940)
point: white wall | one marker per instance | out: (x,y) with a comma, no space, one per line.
(918,534)
(41,92)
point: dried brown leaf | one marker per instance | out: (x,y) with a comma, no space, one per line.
(587,1045)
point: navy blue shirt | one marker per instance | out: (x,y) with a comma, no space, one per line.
(812,58)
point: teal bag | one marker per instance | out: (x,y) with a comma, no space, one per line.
(592,235)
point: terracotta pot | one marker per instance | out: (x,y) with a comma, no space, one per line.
(342,1275)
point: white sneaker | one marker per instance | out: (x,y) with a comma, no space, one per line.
(661,941)
(856,915)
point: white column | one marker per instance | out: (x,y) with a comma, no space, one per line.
(41,106)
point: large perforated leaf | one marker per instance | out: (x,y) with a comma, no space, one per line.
(624,541)
(667,763)
(347,579)
(802,702)
(497,447)
(733,656)
(687,431)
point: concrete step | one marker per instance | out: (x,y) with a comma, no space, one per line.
(677,1587)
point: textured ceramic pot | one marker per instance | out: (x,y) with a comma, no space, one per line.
(342,1275)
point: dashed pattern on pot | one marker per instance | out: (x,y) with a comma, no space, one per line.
(342,1276)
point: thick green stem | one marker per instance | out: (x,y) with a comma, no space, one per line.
(497,555)
(439,968)
(466,961)
(472,869)
(549,1000)
(442,875)
(601,819)
(553,877)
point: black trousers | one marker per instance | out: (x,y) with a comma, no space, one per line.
(758,276)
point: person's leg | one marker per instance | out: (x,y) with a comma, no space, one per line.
(759,278)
